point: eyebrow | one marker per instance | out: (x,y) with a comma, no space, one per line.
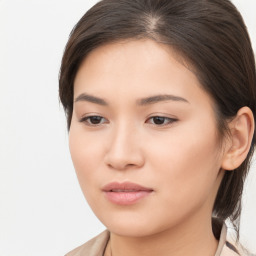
(159,98)
(91,98)
(140,102)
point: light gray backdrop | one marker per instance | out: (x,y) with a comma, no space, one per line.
(42,210)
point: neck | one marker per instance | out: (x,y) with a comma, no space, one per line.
(192,238)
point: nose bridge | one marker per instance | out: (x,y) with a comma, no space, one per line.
(124,147)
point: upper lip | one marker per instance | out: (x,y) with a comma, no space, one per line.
(124,187)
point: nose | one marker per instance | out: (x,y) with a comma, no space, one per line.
(124,149)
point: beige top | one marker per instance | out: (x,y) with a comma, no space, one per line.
(97,245)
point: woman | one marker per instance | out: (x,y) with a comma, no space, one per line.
(160,98)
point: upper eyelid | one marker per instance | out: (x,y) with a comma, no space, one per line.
(85,117)
(170,120)
(167,116)
(162,115)
(84,120)
(151,116)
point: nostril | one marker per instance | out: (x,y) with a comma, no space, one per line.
(123,152)
(123,164)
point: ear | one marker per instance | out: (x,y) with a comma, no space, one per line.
(241,129)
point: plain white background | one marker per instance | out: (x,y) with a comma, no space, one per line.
(42,210)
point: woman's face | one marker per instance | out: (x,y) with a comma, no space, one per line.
(143,139)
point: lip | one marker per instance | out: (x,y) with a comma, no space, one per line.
(125,193)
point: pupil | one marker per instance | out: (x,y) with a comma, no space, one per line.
(95,119)
(158,120)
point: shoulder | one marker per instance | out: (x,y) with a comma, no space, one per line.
(93,247)
(229,246)
(234,249)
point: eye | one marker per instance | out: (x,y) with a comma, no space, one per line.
(93,120)
(161,120)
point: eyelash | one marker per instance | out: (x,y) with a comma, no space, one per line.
(87,120)
(166,120)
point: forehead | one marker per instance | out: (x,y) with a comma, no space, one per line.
(134,68)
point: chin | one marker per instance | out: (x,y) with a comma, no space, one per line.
(132,230)
(132,226)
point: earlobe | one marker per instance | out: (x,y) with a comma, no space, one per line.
(241,131)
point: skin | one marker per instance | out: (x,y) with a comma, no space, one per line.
(180,160)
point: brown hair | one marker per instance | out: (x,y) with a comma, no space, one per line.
(209,34)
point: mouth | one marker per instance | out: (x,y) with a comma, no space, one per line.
(126,193)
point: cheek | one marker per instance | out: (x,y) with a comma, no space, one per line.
(86,154)
(189,163)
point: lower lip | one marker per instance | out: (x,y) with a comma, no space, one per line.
(126,198)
